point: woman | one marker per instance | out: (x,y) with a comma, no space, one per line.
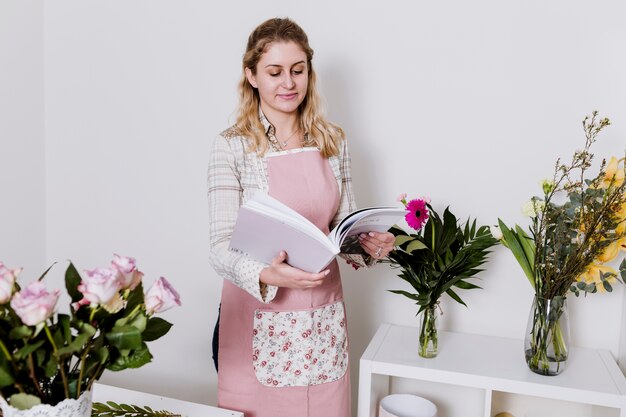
(283,347)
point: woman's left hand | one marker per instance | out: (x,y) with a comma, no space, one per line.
(377,245)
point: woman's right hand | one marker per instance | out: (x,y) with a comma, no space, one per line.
(281,274)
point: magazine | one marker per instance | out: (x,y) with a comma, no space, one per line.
(265,226)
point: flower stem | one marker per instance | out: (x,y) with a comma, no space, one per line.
(428,333)
(5,351)
(95,376)
(547,345)
(33,376)
(83,359)
(66,388)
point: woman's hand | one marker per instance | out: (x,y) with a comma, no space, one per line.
(377,245)
(280,274)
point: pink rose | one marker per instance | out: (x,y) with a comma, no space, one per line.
(100,286)
(161,296)
(7,282)
(128,274)
(34,304)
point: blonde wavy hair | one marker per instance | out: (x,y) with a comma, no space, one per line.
(326,135)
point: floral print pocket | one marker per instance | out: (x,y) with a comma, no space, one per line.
(300,348)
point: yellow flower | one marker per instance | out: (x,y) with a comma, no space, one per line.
(592,275)
(614,174)
(610,252)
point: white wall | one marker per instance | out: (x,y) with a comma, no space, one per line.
(621,358)
(126,116)
(467,102)
(22,182)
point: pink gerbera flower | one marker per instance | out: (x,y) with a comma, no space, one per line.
(417,213)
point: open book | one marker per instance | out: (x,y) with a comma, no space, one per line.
(265,226)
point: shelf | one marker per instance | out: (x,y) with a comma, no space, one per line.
(488,363)
(103,393)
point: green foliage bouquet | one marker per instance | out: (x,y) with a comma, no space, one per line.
(46,357)
(438,259)
(577,226)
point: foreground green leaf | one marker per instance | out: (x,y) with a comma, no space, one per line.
(23,401)
(112,409)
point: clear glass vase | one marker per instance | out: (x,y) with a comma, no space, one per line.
(428,338)
(547,336)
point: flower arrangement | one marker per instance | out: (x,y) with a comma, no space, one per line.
(46,357)
(438,259)
(577,226)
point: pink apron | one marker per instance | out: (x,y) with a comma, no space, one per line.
(289,358)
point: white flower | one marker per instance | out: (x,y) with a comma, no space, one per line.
(533,207)
(496,232)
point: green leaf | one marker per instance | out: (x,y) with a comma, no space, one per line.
(455,297)
(6,378)
(28,349)
(527,244)
(397,231)
(140,322)
(135,298)
(114,405)
(415,245)
(23,401)
(127,408)
(136,359)
(406,294)
(402,239)
(125,337)
(515,246)
(46,272)
(50,369)
(111,409)
(86,331)
(20,332)
(72,280)
(464,285)
(64,321)
(156,328)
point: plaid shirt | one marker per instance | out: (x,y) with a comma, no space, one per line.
(233,177)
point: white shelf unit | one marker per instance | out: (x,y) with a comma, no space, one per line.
(491,366)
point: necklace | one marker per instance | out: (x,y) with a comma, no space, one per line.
(283,143)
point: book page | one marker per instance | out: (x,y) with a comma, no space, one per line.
(265,226)
(373,219)
(269,206)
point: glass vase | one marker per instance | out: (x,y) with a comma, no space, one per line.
(428,338)
(547,336)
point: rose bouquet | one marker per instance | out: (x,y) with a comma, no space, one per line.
(438,259)
(46,357)
(577,226)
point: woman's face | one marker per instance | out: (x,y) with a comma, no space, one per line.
(281,78)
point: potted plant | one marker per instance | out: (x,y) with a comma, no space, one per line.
(49,360)
(438,259)
(577,226)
